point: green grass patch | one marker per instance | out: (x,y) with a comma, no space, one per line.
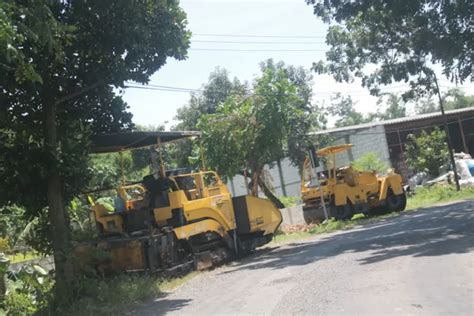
(20,257)
(428,196)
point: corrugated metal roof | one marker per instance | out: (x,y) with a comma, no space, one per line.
(390,122)
(108,143)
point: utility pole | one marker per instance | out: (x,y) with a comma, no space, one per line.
(450,147)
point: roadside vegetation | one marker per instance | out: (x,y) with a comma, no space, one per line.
(32,291)
(290,201)
(119,295)
(424,197)
(428,196)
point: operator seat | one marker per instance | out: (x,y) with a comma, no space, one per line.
(157,188)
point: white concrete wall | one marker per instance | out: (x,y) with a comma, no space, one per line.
(291,178)
(292,215)
(372,139)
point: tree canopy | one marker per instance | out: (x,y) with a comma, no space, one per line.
(215,92)
(453,99)
(427,151)
(390,106)
(343,109)
(400,40)
(60,61)
(248,132)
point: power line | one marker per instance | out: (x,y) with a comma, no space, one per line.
(173,88)
(315,93)
(257,36)
(162,89)
(257,50)
(254,42)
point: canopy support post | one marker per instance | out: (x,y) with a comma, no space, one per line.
(162,163)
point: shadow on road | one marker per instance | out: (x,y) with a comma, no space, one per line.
(161,306)
(434,231)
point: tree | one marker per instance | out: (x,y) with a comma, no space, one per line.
(402,39)
(395,107)
(306,116)
(61,63)
(343,108)
(370,161)
(427,152)
(248,132)
(453,99)
(426,105)
(214,93)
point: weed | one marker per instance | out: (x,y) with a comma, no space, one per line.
(118,295)
(290,201)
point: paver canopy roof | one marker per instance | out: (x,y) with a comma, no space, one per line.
(109,143)
(333,149)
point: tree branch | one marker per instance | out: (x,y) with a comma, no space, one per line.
(77,93)
(7,68)
(268,193)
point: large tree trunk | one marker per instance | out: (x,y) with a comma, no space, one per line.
(255,182)
(58,219)
(269,194)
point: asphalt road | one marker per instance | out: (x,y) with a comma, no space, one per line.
(419,263)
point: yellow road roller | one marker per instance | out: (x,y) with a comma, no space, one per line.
(341,192)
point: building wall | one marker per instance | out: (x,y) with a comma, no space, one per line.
(371,139)
(291,180)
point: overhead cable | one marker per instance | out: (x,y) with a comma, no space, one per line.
(256,36)
(255,42)
(257,50)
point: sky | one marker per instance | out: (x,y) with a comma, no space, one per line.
(292,20)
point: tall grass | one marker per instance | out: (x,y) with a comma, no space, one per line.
(427,196)
(119,295)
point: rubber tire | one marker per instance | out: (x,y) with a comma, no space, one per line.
(343,213)
(243,251)
(313,216)
(404,201)
(395,203)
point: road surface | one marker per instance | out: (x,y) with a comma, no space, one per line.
(419,263)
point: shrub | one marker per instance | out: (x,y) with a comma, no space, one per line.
(370,161)
(4,244)
(427,152)
(290,201)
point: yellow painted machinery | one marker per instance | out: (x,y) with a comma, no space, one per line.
(343,192)
(176,219)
